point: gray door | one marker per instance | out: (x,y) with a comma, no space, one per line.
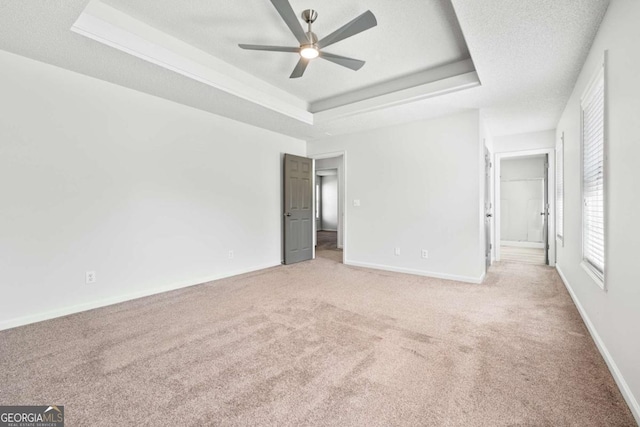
(298,212)
(545,211)
(488,213)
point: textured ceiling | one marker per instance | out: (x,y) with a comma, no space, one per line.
(527,54)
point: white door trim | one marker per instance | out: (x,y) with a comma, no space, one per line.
(551,152)
(341,220)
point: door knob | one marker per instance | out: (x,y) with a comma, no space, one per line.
(489,215)
(287,214)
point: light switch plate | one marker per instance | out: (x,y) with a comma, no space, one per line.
(356,202)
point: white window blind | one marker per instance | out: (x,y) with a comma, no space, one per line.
(593,122)
(560,189)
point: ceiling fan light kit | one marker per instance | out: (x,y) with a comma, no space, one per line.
(309,52)
(310,46)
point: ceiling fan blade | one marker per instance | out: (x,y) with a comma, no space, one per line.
(270,48)
(291,19)
(361,23)
(300,67)
(354,64)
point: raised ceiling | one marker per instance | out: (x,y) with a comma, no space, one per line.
(418,36)
(527,55)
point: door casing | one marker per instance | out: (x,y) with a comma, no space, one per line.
(488,214)
(551,184)
(342,219)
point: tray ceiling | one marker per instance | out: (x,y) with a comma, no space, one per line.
(418,36)
(527,55)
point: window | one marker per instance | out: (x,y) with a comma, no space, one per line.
(593,178)
(560,189)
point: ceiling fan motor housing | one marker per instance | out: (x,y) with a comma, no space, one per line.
(309,16)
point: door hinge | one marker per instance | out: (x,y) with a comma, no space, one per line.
(490,245)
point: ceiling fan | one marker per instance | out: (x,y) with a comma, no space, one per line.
(310,46)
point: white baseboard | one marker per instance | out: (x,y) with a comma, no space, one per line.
(613,368)
(64,311)
(466,279)
(518,244)
(481,279)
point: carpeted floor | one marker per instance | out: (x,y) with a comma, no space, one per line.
(322,343)
(327,246)
(522,255)
(327,240)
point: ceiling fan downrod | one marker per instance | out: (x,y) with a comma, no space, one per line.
(309,16)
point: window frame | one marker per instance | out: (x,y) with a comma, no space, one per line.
(600,75)
(560,191)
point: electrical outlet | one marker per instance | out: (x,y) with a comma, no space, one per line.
(425,253)
(90,277)
(397,251)
(231,254)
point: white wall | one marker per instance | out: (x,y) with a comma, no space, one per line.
(418,187)
(330,203)
(530,167)
(318,203)
(148,193)
(522,194)
(524,141)
(520,209)
(614,315)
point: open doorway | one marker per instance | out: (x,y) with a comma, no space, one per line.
(522,202)
(329,207)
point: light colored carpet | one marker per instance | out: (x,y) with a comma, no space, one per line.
(327,240)
(522,255)
(327,246)
(322,343)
